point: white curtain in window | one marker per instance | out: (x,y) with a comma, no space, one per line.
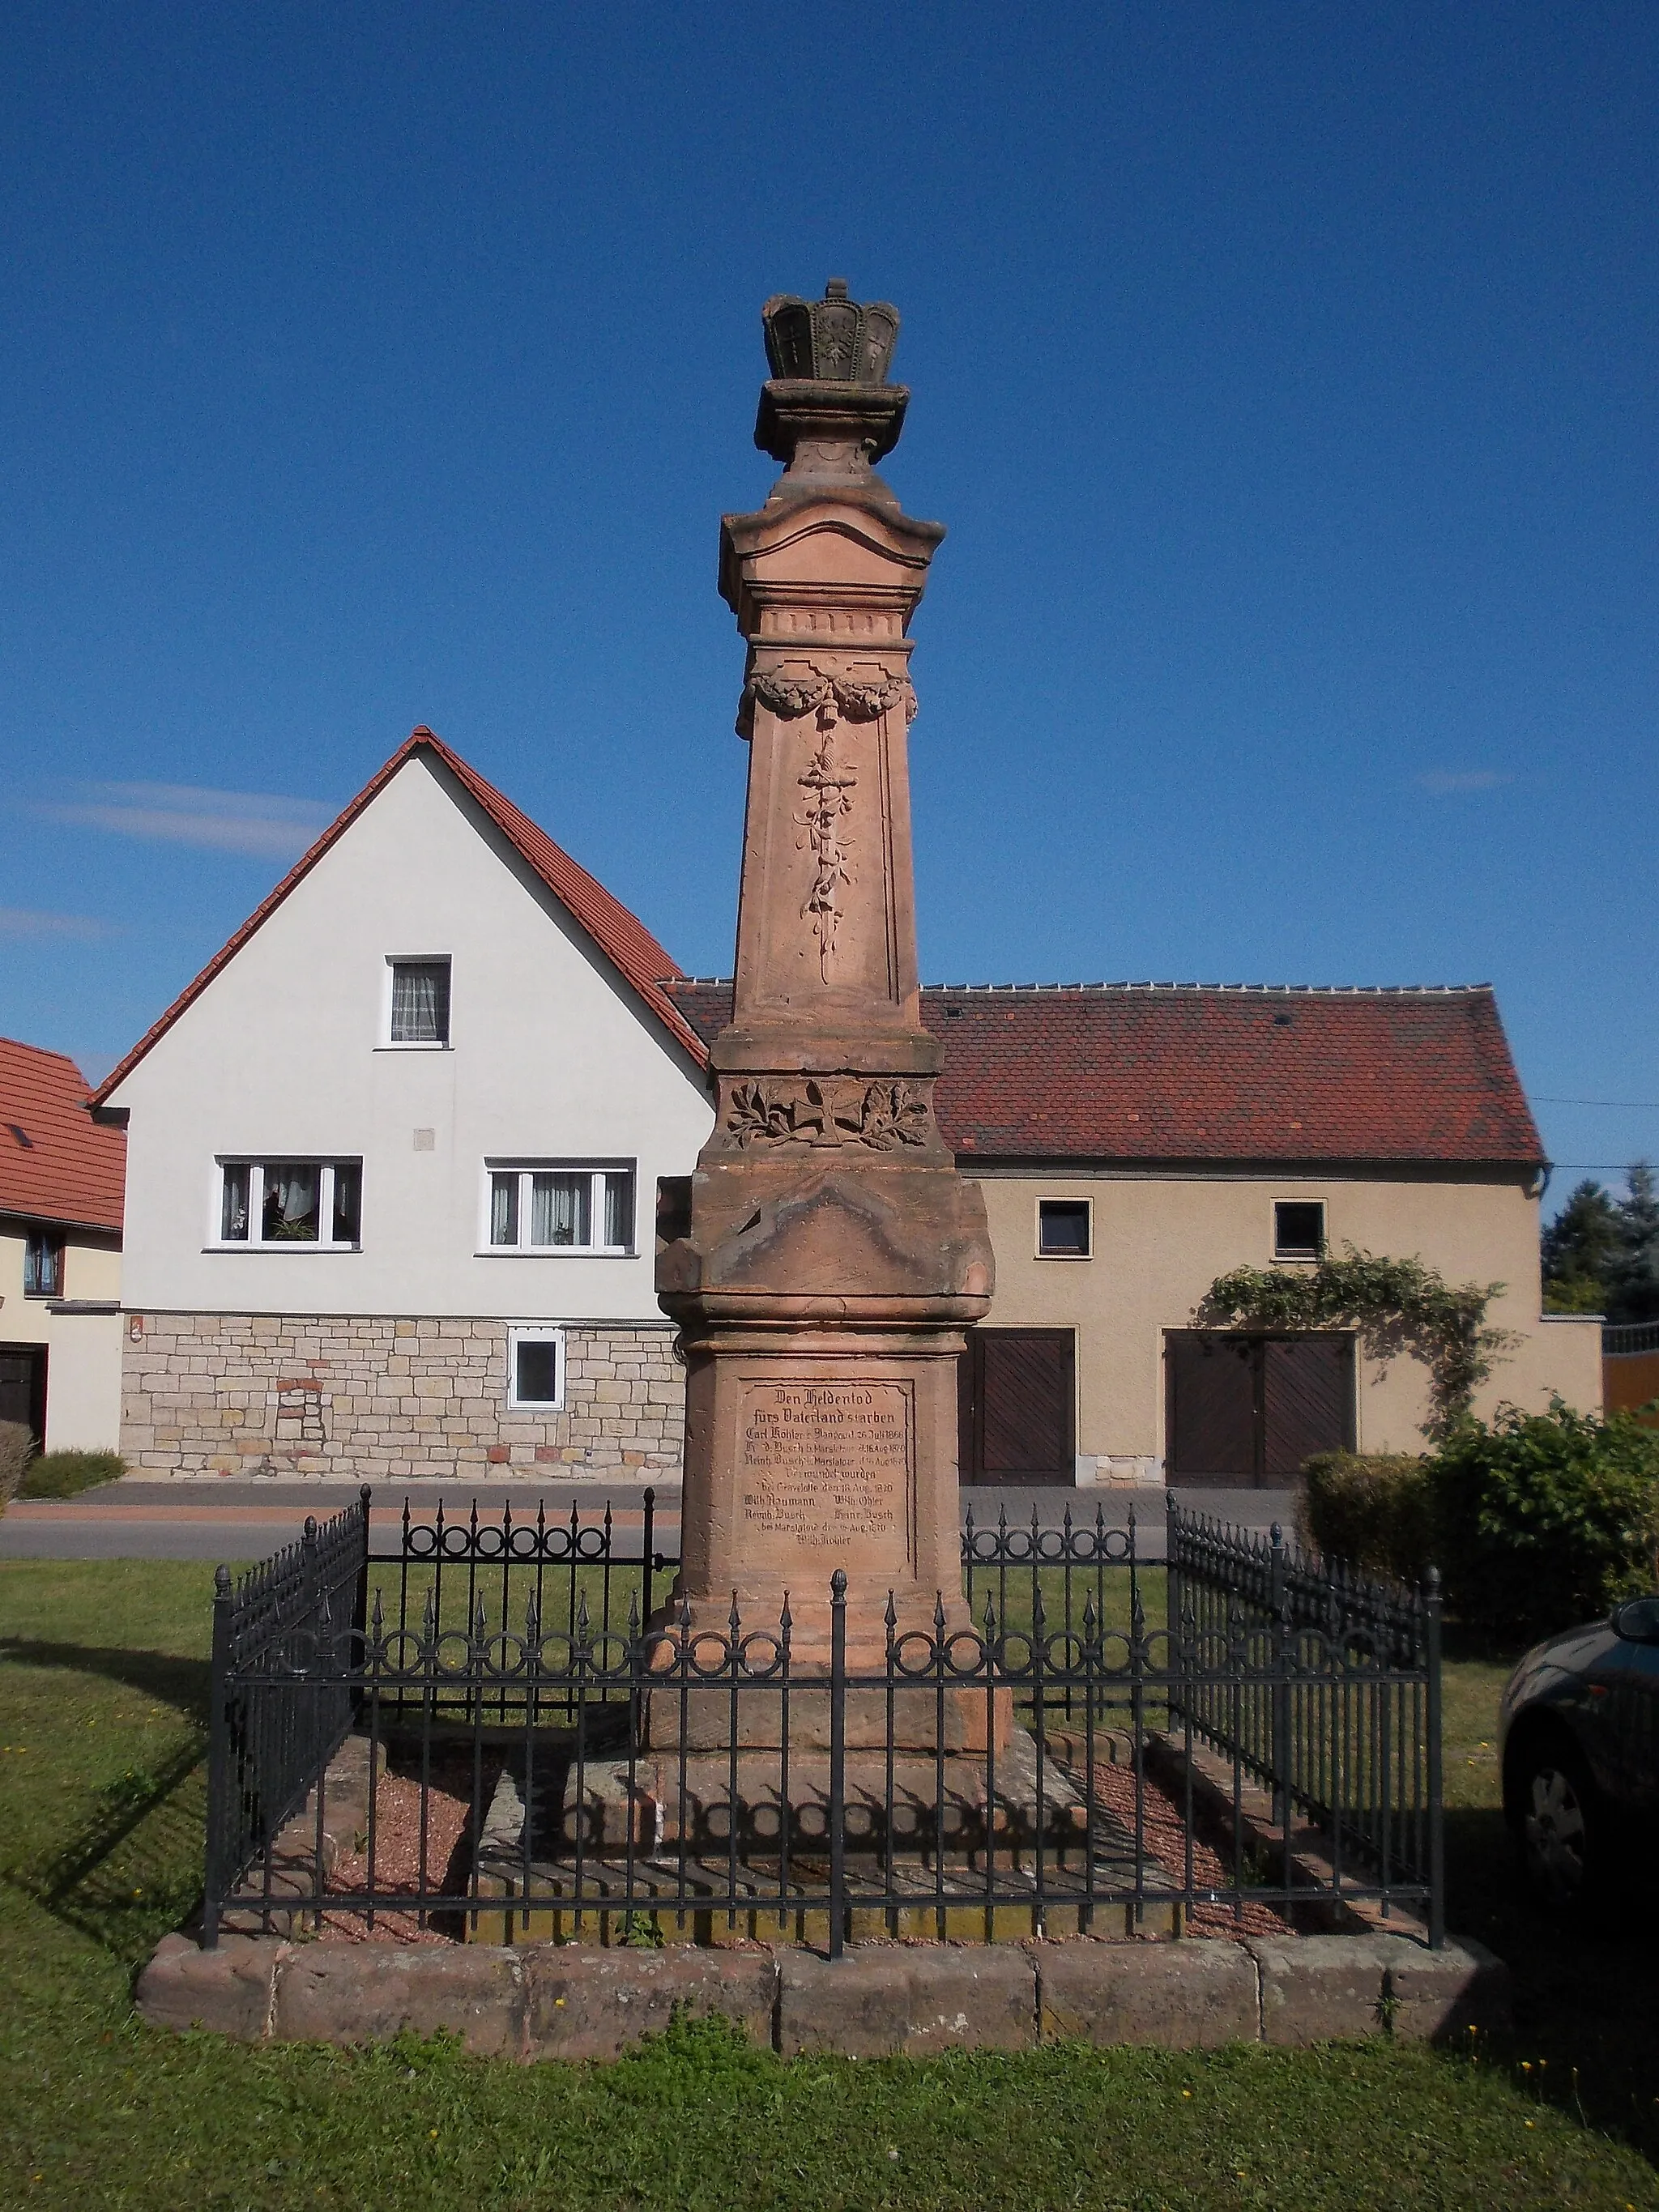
(420,1003)
(290,1213)
(504,1209)
(232,1213)
(559,1209)
(619,1211)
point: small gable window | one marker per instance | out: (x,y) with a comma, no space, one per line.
(1064,1229)
(42,1265)
(1298,1229)
(420,1002)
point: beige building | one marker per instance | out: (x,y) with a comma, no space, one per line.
(60,1254)
(407,1231)
(1134,1142)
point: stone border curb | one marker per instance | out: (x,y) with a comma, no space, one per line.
(579,2001)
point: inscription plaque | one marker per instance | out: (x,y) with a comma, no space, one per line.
(826,1466)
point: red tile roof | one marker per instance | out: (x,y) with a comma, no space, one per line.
(1198,1071)
(624,940)
(56,1164)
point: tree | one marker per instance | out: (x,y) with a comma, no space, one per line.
(1634,1274)
(1580,1250)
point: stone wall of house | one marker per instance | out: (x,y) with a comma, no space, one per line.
(374,1396)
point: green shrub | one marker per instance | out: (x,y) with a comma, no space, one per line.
(15,1446)
(65,1473)
(1544,1519)
(1375,1512)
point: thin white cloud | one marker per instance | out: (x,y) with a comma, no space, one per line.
(31,921)
(1443,781)
(183,814)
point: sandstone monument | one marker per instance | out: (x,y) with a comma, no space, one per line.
(829,1254)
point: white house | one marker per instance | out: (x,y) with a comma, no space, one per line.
(392,1160)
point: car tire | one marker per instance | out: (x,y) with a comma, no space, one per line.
(1559,1823)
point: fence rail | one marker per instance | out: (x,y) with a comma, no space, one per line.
(1618,1338)
(571,1755)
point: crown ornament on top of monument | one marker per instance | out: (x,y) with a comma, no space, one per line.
(834,340)
(828,411)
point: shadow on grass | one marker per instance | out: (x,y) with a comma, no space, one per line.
(132,1866)
(1586,1994)
(184,1683)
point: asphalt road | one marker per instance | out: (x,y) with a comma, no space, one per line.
(134,1519)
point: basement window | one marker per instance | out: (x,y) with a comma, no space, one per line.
(1064,1229)
(1299,1228)
(269,1203)
(534,1370)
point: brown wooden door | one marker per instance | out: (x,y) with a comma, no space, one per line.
(1248,1410)
(1307,1401)
(1018,1400)
(23,1387)
(1214,1417)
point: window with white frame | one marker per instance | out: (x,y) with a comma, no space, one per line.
(418,1011)
(291,1202)
(556,1206)
(1065,1227)
(1298,1229)
(534,1370)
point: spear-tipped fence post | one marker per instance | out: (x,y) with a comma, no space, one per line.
(1431,1721)
(647,1542)
(216,1880)
(1174,1584)
(359,1597)
(1281,1721)
(837,1762)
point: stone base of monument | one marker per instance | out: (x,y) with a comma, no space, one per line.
(918,1833)
(577,2002)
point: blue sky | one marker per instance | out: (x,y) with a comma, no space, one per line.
(1285,375)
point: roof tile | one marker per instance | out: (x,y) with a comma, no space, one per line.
(56,1164)
(1127,1072)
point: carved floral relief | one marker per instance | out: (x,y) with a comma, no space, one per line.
(857,698)
(828,787)
(825,1111)
(828,782)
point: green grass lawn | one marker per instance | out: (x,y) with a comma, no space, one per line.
(102,1698)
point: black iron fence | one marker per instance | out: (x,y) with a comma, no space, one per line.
(1319,1684)
(541,1747)
(265,1753)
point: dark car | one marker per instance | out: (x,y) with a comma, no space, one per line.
(1579,1733)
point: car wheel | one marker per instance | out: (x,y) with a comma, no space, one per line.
(1559,1823)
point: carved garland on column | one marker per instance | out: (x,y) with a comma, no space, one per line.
(882,1115)
(829,783)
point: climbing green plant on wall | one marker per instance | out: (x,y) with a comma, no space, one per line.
(1393,1306)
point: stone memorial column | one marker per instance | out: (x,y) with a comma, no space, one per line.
(832,1254)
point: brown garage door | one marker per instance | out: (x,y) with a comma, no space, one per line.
(1250,1409)
(1017,1397)
(23,1387)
